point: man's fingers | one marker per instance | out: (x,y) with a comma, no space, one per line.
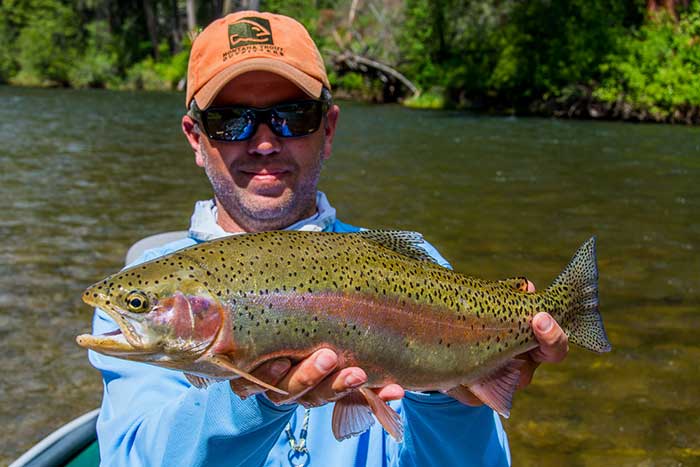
(307,374)
(554,345)
(271,372)
(390,392)
(530,286)
(334,387)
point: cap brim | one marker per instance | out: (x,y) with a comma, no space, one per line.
(207,93)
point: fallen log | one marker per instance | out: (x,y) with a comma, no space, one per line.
(356,62)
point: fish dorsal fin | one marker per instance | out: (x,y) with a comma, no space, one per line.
(225,363)
(496,389)
(351,416)
(199,381)
(401,241)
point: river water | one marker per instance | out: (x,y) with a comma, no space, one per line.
(84,174)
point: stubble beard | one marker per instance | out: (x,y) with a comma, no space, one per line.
(250,214)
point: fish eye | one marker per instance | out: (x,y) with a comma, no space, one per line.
(137,302)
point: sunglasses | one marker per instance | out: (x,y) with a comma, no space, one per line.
(239,123)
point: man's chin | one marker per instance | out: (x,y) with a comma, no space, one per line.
(269,206)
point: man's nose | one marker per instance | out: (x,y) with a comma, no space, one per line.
(264,141)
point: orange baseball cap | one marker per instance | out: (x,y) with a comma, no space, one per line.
(252,41)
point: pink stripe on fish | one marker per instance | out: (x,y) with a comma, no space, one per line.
(420,322)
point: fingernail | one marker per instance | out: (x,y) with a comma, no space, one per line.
(545,323)
(353,381)
(279,367)
(325,362)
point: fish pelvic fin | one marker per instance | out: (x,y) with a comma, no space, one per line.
(584,324)
(352,416)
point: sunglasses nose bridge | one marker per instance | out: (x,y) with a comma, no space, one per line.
(264,140)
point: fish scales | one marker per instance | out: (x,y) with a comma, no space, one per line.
(374,297)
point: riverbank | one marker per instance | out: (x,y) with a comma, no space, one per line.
(597,59)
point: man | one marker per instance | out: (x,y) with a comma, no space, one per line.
(260,123)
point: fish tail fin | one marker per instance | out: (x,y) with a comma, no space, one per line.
(584,325)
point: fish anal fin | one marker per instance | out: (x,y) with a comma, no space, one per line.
(387,417)
(464,395)
(496,389)
(225,363)
(351,416)
(517,283)
(199,382)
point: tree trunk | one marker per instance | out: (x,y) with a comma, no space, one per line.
(152,26)
(250,4)
(177,28)
(191,16)
(226,9)
(654,6)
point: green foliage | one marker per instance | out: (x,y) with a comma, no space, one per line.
(433,99)
(98,66)
(350,81)
(502,54)
(304,11)
(165,74)
(8,65)
(47,45)
(658,69)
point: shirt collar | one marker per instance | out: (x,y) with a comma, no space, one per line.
(203,226)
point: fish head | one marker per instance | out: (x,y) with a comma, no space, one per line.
(164,309)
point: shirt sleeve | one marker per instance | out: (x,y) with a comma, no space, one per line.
(153,416)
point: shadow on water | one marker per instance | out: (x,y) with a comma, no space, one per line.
(87,173)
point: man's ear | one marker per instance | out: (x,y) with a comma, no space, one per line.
(193,135)
(330,123)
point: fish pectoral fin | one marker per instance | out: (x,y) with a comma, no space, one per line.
(225,363)
(351,416)
(496,389)
(199,381)
(387,417)
(517,283)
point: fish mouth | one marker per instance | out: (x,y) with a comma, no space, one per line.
(122,342)
(110,343)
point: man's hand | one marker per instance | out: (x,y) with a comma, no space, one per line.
(312,382)
(554,345)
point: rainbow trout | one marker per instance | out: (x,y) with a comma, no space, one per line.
(218,310)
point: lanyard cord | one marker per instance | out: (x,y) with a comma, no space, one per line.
(298,449)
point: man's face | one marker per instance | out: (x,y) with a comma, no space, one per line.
(267,182)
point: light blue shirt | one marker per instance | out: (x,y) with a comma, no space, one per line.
(152,416)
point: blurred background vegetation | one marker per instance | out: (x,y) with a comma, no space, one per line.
(636,60)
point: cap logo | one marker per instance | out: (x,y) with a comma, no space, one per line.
(249,31)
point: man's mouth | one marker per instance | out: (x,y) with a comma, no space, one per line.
(263,174)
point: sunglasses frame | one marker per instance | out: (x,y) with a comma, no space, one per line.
(262,115)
